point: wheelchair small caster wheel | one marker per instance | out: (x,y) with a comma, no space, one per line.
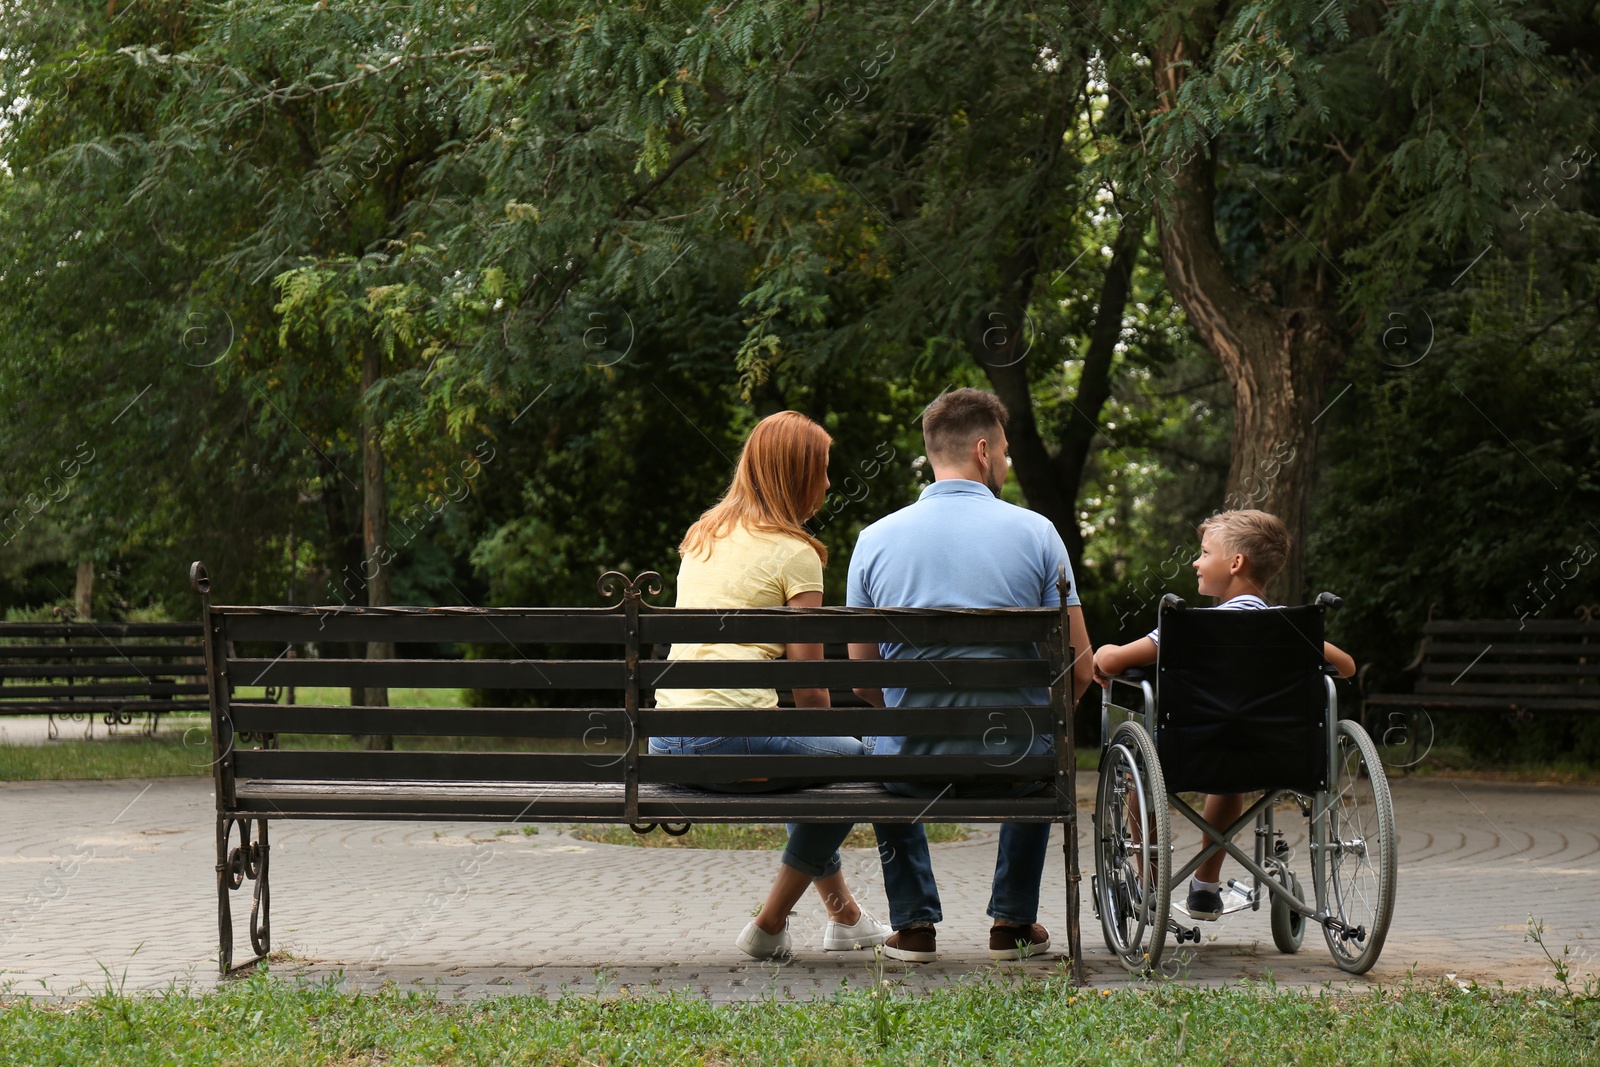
(1288,925)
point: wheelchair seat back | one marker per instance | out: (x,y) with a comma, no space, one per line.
(1241,701)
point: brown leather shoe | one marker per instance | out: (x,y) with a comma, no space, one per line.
(1017,942)
(916,944)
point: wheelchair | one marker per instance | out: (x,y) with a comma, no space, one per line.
(1241,702)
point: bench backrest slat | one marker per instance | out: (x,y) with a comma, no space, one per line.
(106,650)
(1576,628)
(611,674)
(494,626)
(596,726)
(606,725)
(140,689)
(98,670)
(840,625)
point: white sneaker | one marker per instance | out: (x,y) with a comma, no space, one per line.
(864,934)
(754,941)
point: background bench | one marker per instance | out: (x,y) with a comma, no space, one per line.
(114,670)
(597,663)
(1526,667)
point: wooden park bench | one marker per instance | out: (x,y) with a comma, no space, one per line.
(113,670)
(1525,667)
(599,661)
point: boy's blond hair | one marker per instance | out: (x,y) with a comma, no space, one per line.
(1260,537)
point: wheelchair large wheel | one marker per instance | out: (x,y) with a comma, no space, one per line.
(1133,856)
(1360,865)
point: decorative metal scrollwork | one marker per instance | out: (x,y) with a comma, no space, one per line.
(614,585)
(676,829)
(245,861)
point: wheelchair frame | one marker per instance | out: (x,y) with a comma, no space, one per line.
(1130,764)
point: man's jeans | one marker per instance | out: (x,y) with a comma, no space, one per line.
(1018,863)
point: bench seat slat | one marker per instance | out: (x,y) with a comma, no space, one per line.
(531,802)
(429,766)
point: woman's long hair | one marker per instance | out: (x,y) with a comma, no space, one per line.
(774,486)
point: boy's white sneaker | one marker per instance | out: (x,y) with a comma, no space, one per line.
(866,932)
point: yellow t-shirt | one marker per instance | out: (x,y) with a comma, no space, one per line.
(744,569)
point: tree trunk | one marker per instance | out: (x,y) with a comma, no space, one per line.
(1051,479)
(1278,359)
(83,592)
(374,525)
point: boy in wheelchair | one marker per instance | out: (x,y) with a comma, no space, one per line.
(1240,552)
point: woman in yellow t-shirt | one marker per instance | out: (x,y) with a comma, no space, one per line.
(752,551)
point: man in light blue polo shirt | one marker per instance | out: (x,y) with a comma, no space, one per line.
(961,546)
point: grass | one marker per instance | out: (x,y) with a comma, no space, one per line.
(265,1020)
(755,836)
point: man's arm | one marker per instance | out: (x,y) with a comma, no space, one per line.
(1082,654)
(873,696)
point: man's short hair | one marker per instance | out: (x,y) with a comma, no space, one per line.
(956,419)
(1260,537)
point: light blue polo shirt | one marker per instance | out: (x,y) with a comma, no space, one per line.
(958,546)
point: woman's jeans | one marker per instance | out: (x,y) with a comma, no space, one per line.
(813,847)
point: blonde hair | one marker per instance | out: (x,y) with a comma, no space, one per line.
(1260,537)
(774,486)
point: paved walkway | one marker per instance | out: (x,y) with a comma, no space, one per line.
(113,882)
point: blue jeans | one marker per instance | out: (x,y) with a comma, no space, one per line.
(817,857)
(1018,862)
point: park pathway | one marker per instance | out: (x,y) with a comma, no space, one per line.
(112,882)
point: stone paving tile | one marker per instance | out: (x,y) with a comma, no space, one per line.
(113,883)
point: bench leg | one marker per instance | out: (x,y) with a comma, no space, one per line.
(1069,851)
(246,861)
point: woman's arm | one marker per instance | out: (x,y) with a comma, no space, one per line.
(874,695)
(807,698)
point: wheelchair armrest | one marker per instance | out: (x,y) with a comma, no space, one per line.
(1133,675)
